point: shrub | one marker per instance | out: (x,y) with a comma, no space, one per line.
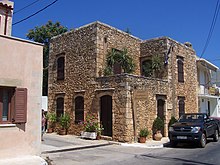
(65,121)
(158,125)
(144,132)
(172,121)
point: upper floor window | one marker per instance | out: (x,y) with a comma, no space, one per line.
(181,105)
(180,69)
(79,109)
(146,68)
(60,106)
(60,68)
(13,105)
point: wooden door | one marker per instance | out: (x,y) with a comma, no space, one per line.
(106,115)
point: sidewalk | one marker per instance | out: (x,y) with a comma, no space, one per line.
(57,143)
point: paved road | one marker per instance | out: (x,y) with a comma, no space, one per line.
(120,155)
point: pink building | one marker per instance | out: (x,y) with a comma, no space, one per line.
(20,91)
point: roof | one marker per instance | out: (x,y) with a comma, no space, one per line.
(207,64)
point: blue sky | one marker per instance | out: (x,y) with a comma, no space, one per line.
(181,20)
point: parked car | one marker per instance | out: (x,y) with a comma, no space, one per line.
(194,127)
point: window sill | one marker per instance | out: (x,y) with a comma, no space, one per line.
(7,125)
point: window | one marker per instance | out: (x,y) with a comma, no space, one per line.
(60,106)
(181,105)
(180,69)
(79,109)
(146,68)
(60,68)
(13,105)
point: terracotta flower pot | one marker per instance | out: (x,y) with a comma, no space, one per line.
(62,132)
(158,136)
(49,130)
(98,137)
(142,139)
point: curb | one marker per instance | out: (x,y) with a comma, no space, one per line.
(75,148)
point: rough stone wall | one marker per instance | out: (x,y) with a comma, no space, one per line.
(79,49)
(108,38)
(187,89)
(134,97)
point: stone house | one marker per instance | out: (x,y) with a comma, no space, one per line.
(20,91)
(123,103)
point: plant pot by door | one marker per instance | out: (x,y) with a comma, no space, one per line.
(49,130)
(142,139)
(62,132)
(158,136)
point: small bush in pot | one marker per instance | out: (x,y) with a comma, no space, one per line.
(158,126)
(52,118)
(143,134)
(64,121)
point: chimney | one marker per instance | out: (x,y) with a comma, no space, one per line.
(6,13)
(188,44)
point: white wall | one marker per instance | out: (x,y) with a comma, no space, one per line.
(44,101)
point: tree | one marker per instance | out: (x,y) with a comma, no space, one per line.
(43,34)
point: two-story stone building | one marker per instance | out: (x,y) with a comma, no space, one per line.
(123,103)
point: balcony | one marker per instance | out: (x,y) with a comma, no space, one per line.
(214,91)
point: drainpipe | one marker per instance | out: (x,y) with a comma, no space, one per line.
(134,117)
(6,22)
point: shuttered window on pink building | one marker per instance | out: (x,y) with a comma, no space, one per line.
(13,105)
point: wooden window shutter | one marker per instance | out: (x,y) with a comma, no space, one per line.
(20,113)
(180,71)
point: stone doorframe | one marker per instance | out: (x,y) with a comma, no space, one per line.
(164,98)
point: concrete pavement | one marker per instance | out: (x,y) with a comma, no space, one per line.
(57,143)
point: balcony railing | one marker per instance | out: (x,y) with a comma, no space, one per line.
(208,90)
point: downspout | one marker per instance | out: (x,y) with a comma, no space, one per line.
(134,117)
(6,22)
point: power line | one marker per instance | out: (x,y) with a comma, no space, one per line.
(19,10)
(35,13)
(211,28)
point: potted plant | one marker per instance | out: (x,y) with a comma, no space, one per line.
(99,132)
(52,118)
(143,134)
(64,123)
(91,127)
(158,126)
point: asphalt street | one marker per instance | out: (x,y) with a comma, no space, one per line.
(117,154)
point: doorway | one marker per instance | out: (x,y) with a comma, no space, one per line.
(160,110)
(106,115)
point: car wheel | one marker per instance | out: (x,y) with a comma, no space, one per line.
(215,136)
(203,141)
(173,143)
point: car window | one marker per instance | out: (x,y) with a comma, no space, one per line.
(192,118)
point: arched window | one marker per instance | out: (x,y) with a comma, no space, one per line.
(180,69)
(181,106)
(60,68)
(60,106)
(79,109)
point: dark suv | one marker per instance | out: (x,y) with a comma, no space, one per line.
(194,127)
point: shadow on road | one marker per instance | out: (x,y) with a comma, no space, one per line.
(184,161)
(186,145)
